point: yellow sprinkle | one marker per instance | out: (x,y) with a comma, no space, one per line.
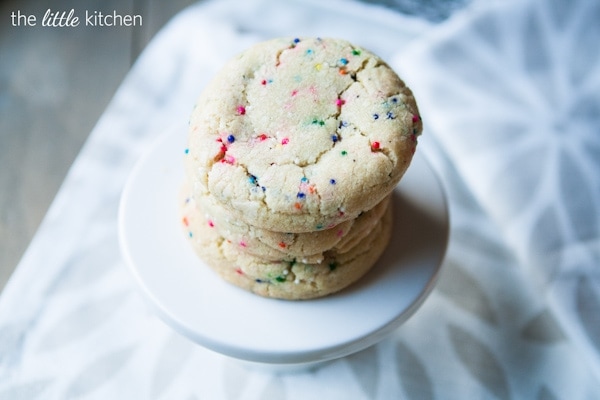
(318,67)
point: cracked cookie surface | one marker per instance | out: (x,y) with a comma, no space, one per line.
(300,135)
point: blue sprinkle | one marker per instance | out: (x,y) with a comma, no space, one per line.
(309,51)
(375,116)
(187,151)
(343,124)
(390,115)
(296,40)
(300,195)
(343,61)
(263,188)
(304,179)
(252,179)
(334,138)
(231,138)
(332,181)
(190,234)
(394,100)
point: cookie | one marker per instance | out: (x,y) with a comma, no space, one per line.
(292,280)
(295,135)
(275,246)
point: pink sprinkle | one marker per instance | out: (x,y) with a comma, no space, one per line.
(339,102)
(294,92)
(243,244)
(262,137)
(239,271)
(415,118)
(285,141)
(340,233)
(241,110)
(263,82)
(375,146)
(211,224)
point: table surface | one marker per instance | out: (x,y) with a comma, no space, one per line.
(43,72)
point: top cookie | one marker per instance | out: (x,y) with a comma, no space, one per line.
(298,135)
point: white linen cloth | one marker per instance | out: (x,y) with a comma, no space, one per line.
(510,98)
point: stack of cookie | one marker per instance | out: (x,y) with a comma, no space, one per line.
(294,150)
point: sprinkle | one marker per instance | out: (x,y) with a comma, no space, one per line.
(344,152)
(185,221)
(356,52)
(263,82)
(343,61)
(186,151)
(343,124)
(304,179)
(190,234)
(332,181)
(318,67)
(394,100)
(415,118)
(375,146)
(285,141)
(280,278)
(263,188)
(389,115)
(318,122)
(309,51)
(243,244)
(229,159)
(231,138)
(262,137)
(282,245)
(258,281)
(297,206)
(294,92)
(319,227)
(339,102)
(296,40)
(301,195)
(211,224)
(241,110)
(342,71)
(375,116)
(239,271)
(334,138)
(252,179)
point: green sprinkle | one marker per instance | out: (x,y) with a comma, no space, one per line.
(280,278)
(344,152)
(356,52)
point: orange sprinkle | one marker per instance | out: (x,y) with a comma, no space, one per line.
(282,245)
(297,206)
(185,221)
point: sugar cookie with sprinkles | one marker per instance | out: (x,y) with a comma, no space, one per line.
(301,134)
(290,280)
(307,247)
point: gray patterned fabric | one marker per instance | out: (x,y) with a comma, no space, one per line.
(510,97)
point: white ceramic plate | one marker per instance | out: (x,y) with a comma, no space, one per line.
(194,301)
